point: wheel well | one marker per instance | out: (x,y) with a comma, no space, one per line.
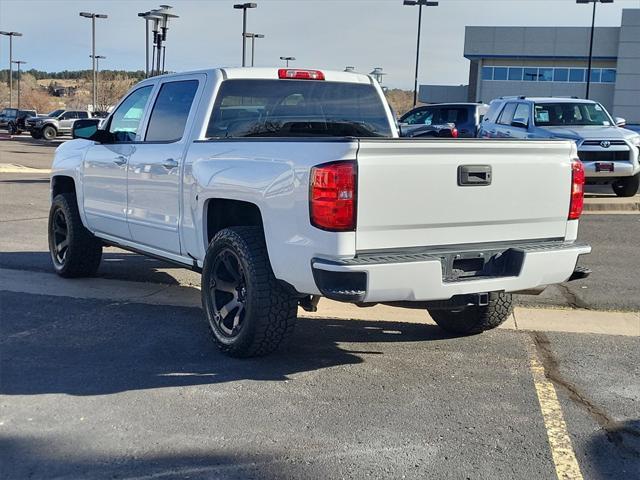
(61,184)
(222,213)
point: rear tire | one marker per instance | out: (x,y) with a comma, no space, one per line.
(37,134)
(49,132)
(626,187)
(474,320)
(75,251)
(249,312)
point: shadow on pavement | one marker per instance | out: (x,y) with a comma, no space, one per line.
(115,265)
(30,458)
(27,181)
(614,453)
(89,347)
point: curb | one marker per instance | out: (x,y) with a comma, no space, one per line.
(615,205)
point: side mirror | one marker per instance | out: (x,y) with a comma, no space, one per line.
(620,122)
(86,128)
(518,124)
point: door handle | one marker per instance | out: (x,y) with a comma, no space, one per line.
(120,160)
(169,163)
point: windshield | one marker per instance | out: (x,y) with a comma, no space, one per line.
(55,113)
(574,114)
(297,108)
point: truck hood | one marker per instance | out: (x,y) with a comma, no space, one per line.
(590,133)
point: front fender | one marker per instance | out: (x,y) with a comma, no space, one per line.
(67,161)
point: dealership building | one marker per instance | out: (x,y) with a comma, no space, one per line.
(551,61)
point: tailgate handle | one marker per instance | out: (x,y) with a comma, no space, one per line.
(470,175)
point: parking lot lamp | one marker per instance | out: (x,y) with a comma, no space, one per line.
(253,37)
(98,58)
(11,35)
(244,7)
(288,59)
(420,3)
(93,17)
(164,15)
(18,62)
(593,23)
(148,17)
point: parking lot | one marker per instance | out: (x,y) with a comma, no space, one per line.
(115,377)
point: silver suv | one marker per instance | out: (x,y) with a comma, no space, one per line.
(610,153)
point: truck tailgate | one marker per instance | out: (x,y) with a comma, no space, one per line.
(409,193)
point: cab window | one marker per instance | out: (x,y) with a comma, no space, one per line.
(126,119)
(506,117)
(171,111)
(521,114)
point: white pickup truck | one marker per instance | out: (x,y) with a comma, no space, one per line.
(284,185)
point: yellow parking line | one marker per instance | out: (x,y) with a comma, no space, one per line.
(564,458)
(13,168)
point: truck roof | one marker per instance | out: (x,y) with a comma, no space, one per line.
(271,73)
(548,99)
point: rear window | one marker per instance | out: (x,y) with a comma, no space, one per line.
(297,108)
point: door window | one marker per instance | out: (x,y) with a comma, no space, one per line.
(506,117)
(126,119)
(171,111)
(68,116)
(419,118)
(82,114)
(521,114)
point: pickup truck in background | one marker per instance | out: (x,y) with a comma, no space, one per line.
(610,153)
(14,120)
(465,119)
(285,185)
(56,123)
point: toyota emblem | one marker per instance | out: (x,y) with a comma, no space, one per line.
(605,144)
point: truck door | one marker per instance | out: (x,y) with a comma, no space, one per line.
(503,125)
(66,121)
(520,121)
(155,167)
(105,168)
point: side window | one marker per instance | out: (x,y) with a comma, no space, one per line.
(83,115)
(68,116)
(126,119)
(521,114)
(507,114)
(171,111)
(418,118)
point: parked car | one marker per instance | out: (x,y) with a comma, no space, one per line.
(465,117)
(13,119)
(610,153)
(284,185)
(56,123)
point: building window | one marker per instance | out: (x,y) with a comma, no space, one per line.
(561,74)
(545,74)
(576,75)
(548,74)
(608,75)
(515,73)
(530,74)
(500,73)
(487,73)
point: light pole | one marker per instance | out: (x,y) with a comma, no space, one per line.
(244,7)
(420,3)
(93,17)
(287,59)
(148,17)
(98,58)
(11,35)
(160,18)
(253,37)
(18,62)
(593,24)
(377,73)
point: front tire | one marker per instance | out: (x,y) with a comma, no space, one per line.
(477,319)
(49,133)
(249,312)
(37,134)
(626,187)
(75,251)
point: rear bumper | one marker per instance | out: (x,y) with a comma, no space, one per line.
(423,276)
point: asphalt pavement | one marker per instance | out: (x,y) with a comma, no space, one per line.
(108,387)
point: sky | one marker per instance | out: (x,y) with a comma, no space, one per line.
(329,34)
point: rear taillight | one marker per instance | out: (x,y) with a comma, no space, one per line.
(332,196)
(577,190)
(454,133)
(297,74)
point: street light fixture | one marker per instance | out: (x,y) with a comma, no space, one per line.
(287,59)
(18,62)
(93,17)
(11,35)
(593,23)
(244,7)
(98,58)
(253,37)
(161,18)
(420,3)
(148,17)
